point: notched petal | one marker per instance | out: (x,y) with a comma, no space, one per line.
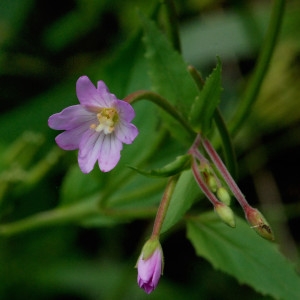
(87,93)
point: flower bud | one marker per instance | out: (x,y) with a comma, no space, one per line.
(150,265)
(223,195)
(259,223)
(225,213)
(212,183)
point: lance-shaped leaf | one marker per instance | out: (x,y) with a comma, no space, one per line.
(241,253)
(169,75)
(185,194)
(168,71)
(180,164)
(205,104)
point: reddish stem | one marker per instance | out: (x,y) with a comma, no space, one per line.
(211,197)
(224,172)
(163,206)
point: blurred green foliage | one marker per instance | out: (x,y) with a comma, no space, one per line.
(44,48)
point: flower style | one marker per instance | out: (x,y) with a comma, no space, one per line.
(97,126)
(150,266)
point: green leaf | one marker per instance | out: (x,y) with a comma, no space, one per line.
(241,253)
(204,106)
(178,165)
(77,186)
(169,75)
(185,194)
(168,71)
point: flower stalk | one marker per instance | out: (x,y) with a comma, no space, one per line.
(150,263)
(163,206)
(162,103)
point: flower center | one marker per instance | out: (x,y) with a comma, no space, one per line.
(107,118)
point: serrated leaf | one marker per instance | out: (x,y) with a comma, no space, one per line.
(241,253)
(205,104)
(168,71)
(185,194)
(169,75)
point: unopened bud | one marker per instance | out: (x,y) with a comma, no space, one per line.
(223,195)
(150,265)
(212,183)
(259,223)
(225,213)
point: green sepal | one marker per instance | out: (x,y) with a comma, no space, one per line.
(204,106)
(180,164)
(150,246)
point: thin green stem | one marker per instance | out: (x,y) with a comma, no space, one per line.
(197,77)
(261,68)
(57,216)
(73,213)
(229,153)
(162,103)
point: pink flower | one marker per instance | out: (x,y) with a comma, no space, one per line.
(150,266)
(97,126)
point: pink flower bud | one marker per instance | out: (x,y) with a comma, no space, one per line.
(150,266)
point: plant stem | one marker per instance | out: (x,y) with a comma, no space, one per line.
(261,68)
(73,213)
(162,103)
(224,172)
(229,153)
(164,205)
(60,215)
(221,126)
(210,196)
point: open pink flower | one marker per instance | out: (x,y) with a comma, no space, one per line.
(97,126)
(150,266)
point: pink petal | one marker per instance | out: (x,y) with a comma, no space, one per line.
(145,269)
(108,99)
(109,154)
(89,149)
(126,132)
(125,111)
(87,93)
(157,269)
(70,140)
(71,117)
